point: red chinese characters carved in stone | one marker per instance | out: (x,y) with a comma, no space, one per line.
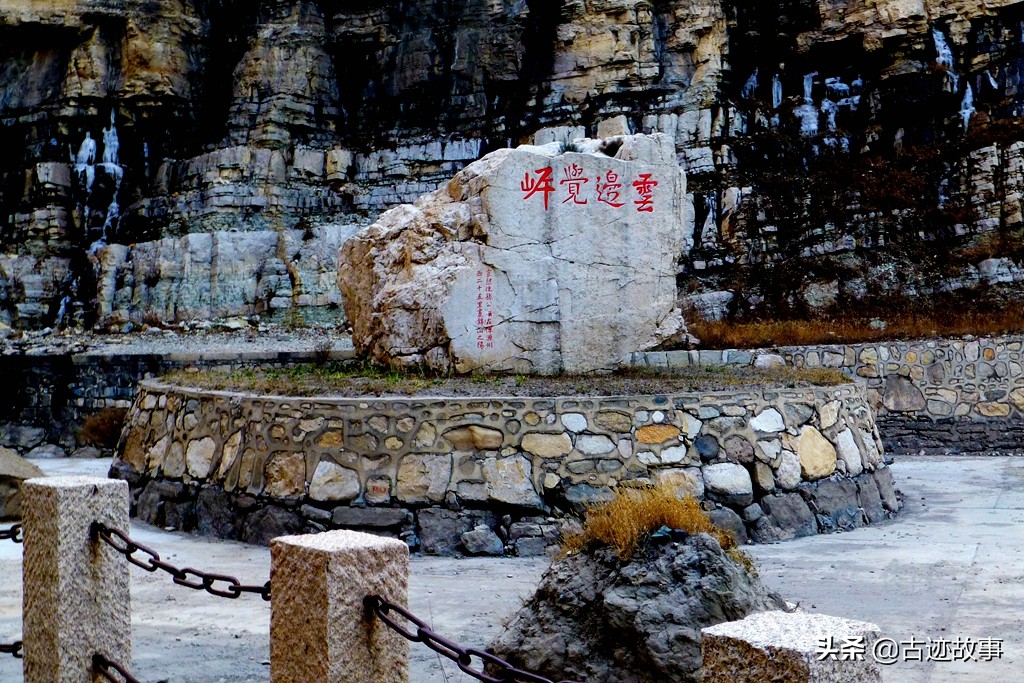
(610,191)
(541,181)
(574,181)
(645,189)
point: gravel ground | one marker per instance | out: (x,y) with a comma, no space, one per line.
(186,636)
(235,335)
(949,566)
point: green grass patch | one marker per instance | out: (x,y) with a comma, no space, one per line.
(361,379)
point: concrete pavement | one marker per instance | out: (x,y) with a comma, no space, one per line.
(951,566)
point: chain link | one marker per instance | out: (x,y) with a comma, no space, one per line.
(221,585)
(505,672)
(14,533)
(14,649)
(106,668)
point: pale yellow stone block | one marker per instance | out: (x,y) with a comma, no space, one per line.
(77,600)
(319,628)
(817,454)
(782,646)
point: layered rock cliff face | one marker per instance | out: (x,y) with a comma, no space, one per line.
(836,150)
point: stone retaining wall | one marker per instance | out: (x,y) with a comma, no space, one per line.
(938,396)
(494,475)
(932,397)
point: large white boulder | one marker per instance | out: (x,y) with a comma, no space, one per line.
(531,260)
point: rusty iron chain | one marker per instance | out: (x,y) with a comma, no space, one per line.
(14,533)
(506,673)
(200,580)
(102,666)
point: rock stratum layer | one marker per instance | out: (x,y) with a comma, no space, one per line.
(868,147)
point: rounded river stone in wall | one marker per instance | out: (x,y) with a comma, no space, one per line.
(547,445)
(613,421)
(817,454)
(730,482)
(739,449)
(768,421)
(902,396)
(334,482)
(474,438)
(660,433)
(707,447)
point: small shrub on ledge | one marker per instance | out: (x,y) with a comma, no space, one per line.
(103,428)
(637,513)
(954,322)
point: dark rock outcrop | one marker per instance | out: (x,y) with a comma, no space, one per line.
(602,620)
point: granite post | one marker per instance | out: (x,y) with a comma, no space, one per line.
(77,601)
(793,647)
(319,627)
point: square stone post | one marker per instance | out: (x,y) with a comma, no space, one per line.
(76,591)
(319,629)
(796,647)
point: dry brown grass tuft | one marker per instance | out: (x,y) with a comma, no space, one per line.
(103,428)
(764,333)
(628,519)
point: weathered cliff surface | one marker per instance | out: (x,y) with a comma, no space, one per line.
(838,150)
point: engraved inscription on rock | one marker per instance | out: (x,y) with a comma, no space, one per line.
(531,260)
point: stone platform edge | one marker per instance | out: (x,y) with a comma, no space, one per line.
(498,475)
(932,397)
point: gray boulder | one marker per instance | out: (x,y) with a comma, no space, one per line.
(22,437)
(598,619)
(47,451)
(14,469)
(483,541)
(263,526)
